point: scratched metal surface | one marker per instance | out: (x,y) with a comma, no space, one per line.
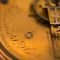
(54,16)
(14,18)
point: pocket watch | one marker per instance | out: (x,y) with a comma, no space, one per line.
(23,34)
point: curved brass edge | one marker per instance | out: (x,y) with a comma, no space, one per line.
(7,53)
(38,18)
(3,56)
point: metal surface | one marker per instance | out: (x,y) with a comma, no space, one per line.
(23,34)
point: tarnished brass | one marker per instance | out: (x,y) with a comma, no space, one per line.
(21,36)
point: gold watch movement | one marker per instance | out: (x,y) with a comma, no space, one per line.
(25,30)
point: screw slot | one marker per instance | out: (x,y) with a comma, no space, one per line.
(28,35)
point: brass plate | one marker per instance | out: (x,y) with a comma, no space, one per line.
(21,35)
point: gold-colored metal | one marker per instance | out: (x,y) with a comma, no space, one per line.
(15,22)
(54,16)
